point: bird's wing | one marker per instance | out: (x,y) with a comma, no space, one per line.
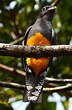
(24,43)
(29,78)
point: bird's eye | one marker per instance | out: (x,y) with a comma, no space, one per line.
(45,8)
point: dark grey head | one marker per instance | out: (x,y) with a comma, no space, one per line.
(48,11)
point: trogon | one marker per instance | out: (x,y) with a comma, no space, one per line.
(41,33)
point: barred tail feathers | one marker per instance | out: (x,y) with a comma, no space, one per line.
(34,88)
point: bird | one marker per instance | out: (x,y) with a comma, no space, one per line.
(41,33)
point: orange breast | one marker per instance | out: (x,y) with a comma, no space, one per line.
(41,63)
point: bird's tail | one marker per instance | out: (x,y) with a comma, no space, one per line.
(25,99)
(29,83)
(34,88)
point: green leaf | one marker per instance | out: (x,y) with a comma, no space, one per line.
(5,106)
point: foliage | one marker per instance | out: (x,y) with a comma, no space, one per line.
(15,17)
(5,106)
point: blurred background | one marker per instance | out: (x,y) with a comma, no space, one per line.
(15,17)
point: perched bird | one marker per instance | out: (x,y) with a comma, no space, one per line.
(40,33)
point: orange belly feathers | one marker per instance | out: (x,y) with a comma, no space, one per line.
(41,63)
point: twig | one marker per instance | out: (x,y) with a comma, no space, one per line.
(12,70)
(60,88)
(56,3)
(53,85)
(16,41)
(22,87)
(12,34)
(22,73)
(35,51)
(54,80)
(12,85)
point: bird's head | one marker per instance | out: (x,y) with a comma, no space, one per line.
(48,11)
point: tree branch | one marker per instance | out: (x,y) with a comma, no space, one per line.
(35,51)
(50,85)
(16,41)
(60,88)
(12,70)
(54,80)
(22,73)
(12,85)
(22,87)
(56,3)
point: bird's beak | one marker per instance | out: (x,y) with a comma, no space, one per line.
(52,8)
